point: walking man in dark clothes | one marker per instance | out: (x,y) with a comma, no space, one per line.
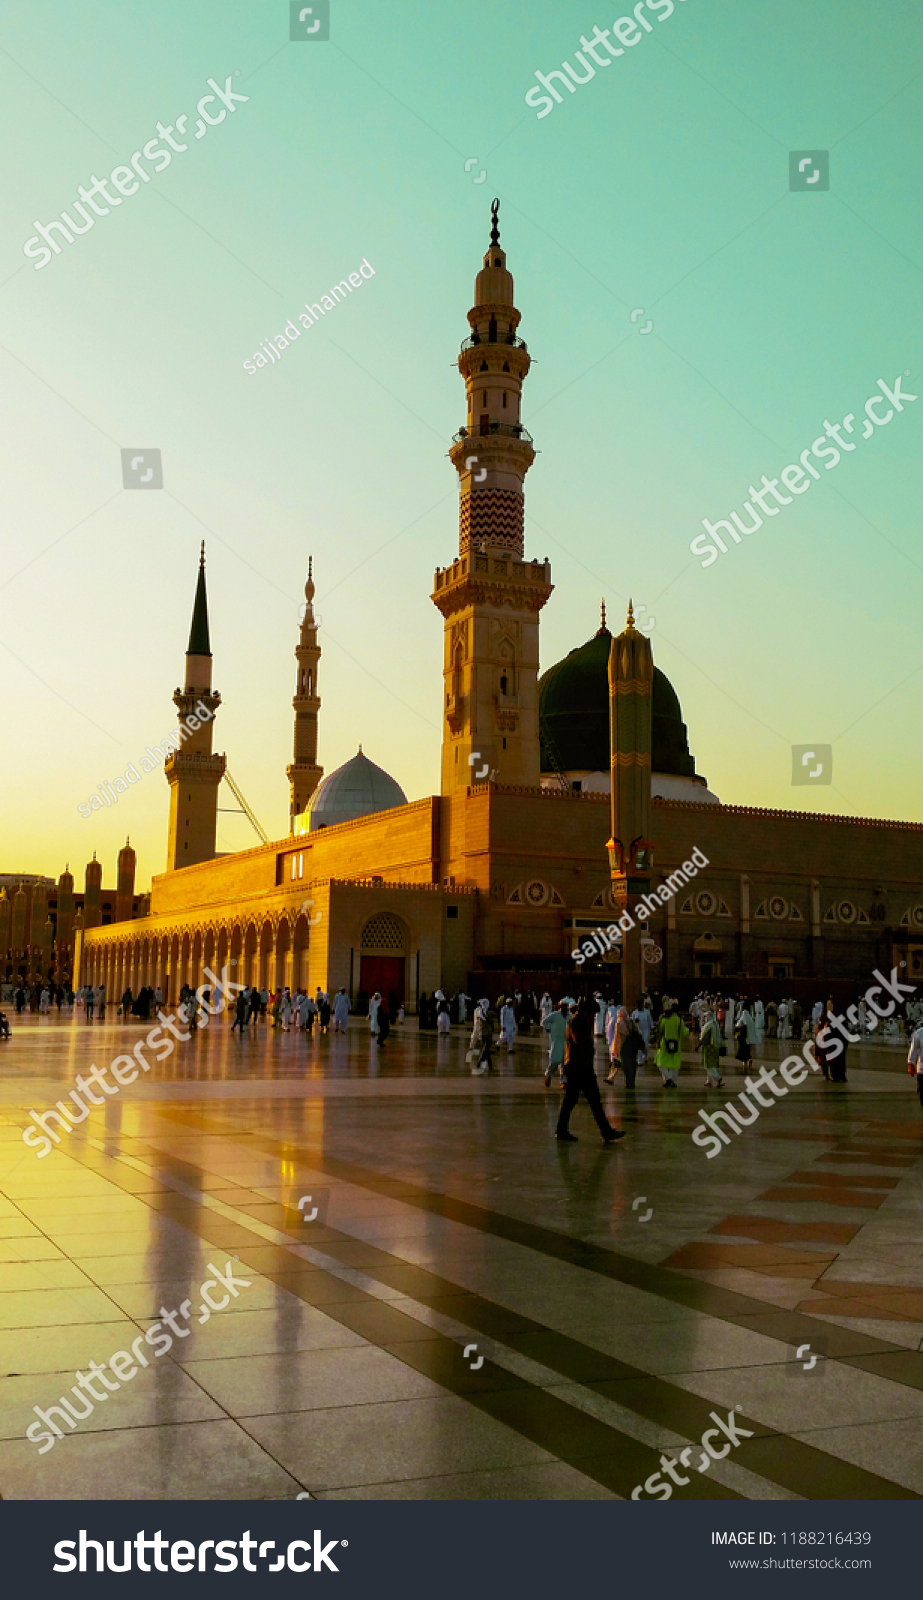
(580,1076)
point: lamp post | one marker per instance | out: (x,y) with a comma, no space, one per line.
(631,679)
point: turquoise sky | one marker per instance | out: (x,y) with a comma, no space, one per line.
(662,184)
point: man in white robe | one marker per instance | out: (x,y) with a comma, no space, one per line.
(508,1025)
(730,1018)
(642,1016)
(554,1023)
(340,1011)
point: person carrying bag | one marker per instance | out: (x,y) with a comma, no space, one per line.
(672,1036)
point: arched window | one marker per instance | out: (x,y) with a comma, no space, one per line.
(383,932)
(457,662)
(492,331)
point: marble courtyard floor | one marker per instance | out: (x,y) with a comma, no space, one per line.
(615,1296)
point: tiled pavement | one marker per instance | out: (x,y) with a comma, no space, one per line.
(448,1217)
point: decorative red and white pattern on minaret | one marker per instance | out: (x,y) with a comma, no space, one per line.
(493,451)
(490,596)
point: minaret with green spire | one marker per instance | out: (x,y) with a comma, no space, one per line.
(199,644)
(192,772)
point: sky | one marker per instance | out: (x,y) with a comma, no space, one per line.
(694,323)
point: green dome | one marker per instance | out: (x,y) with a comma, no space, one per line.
(573,715)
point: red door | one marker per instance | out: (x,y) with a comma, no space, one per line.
(383,973)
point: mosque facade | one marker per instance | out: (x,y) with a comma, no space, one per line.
(40,918)
(500,878)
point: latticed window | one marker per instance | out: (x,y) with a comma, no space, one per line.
(383,932)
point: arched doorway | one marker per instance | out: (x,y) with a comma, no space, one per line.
(172,979)
(267,957)
(383,951)
(234,955)
(301,941)
(284,954)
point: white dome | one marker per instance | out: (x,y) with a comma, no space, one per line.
(357,789)
(664,786)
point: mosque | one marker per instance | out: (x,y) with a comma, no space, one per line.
(494,881)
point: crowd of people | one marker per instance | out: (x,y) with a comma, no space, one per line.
(712,1025)
(37,996)
(656,1030)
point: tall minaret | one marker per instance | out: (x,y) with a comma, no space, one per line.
(65,926)
(490,597)
(125,883)
(38,914)
(304,774)
(192,772)
(92,893)
(631,685)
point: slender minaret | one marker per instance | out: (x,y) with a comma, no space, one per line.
(38,913)
(490,596)
(304,774)
(125,883)
(65,926)
(192,772)
(19,921)
(92,893)
(631,683)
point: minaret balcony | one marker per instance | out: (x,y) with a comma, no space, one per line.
(492,577)
(506,430)
(505,338)
(449,575)
(535,574)
(195,764)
